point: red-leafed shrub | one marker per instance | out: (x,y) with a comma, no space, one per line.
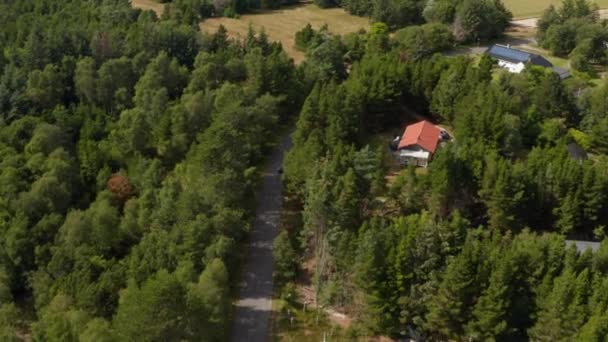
(120,186)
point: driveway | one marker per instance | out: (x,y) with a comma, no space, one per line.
(253,309)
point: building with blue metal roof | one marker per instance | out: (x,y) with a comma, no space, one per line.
(516,60)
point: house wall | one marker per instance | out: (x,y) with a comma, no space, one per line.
(413,161)
(408,160)
(515,68)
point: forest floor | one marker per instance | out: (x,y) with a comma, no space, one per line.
(282,24)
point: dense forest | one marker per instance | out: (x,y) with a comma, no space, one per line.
(128,153)
(472,248)
(130,148)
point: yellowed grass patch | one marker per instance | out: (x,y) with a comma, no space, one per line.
(282,24)
(149,5)
(534,8)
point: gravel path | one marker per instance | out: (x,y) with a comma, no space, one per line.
(253,310)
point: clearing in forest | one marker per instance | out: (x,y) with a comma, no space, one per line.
(149,5)
(535,8)
(282,24)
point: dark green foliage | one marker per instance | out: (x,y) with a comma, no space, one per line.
(129,148)
(422,41)
(471,248)
(476,20)
(128,153)
(311,38)
(325,3)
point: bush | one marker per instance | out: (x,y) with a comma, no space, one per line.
(230,12)
(422,41)
(285,258)
(581,138)
(304,37)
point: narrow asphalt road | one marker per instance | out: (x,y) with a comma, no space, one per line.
(253,309)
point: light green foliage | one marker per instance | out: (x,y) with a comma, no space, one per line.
(580,138)
(98,330)
(9,315)
(422,41)
(153,311)
(60,321)
(475,20)
(5,288)
(207,302)
(285,258)
(562,311)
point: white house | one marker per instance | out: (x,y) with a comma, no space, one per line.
(418,143)
(514,60)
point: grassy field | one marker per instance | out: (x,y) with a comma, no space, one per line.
(534,8)
(148,5)
(520,9)
(282,24)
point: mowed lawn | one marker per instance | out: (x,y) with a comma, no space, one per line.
(282,24)
(534,8)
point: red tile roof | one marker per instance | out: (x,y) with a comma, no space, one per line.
(423,134)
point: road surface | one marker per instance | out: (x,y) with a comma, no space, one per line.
(253,309)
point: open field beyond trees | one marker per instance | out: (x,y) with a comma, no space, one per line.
(282,24)
(534,8)
(149,5)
